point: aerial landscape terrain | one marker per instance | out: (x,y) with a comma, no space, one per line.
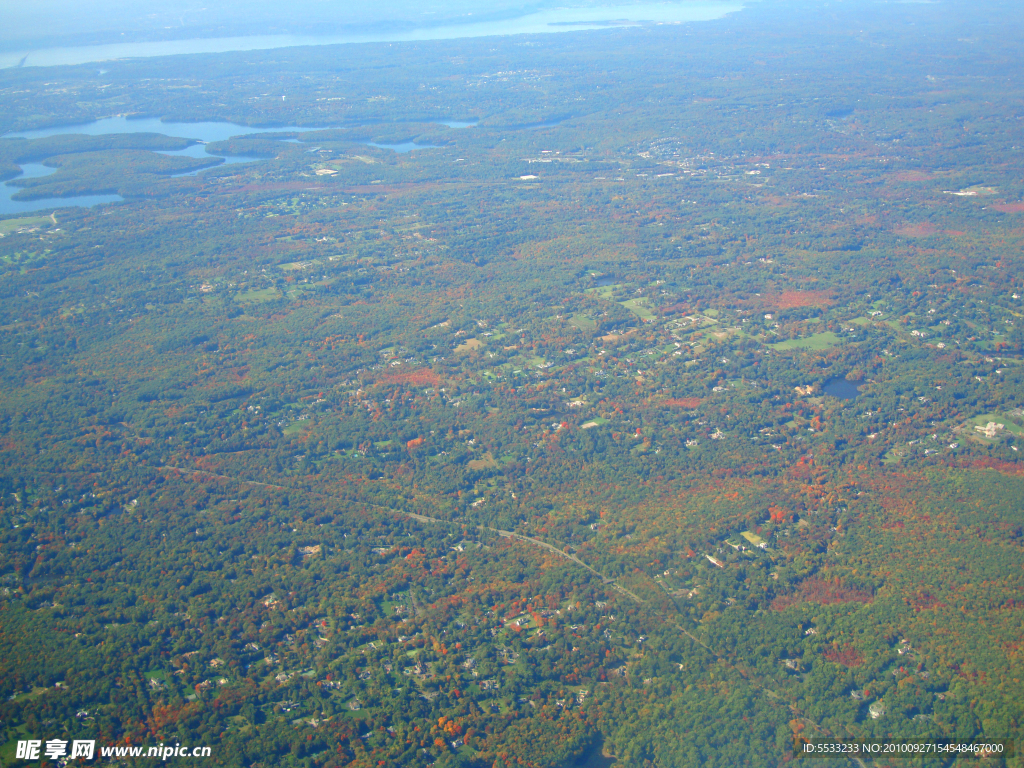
(646,395)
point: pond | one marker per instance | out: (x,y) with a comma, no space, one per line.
(841,388)
(597,757)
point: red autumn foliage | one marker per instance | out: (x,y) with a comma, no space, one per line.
(420,377)
(847,655)
(1005,467)
(790,299)
(926,601)
(823,592)
(922,229)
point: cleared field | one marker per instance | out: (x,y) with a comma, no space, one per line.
(816,342)
(13,225)
(604,291)
(258,296)
(298,265)
(22,258)
(583,322)
(638,307)
(486,461)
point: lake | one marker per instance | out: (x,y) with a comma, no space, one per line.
(34,171)
(541,22)
(208,131)
(841,388)
(50,203)
(205,132)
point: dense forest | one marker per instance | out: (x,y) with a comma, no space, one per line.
(654,392)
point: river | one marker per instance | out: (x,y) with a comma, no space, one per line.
(541,22)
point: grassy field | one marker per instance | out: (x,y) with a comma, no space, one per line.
(636,306)
(22,258)
(583,322)
(258,296)
(298,265)
(604,291)
(9,750)
(13,225)
(818,341)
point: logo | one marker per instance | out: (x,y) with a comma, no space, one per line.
(34,749)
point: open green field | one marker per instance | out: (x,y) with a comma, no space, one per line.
(9,750)
(639,308)
(13,225)
(22,258)
(816,342)
(583,322)
(604,291)
(258,296)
